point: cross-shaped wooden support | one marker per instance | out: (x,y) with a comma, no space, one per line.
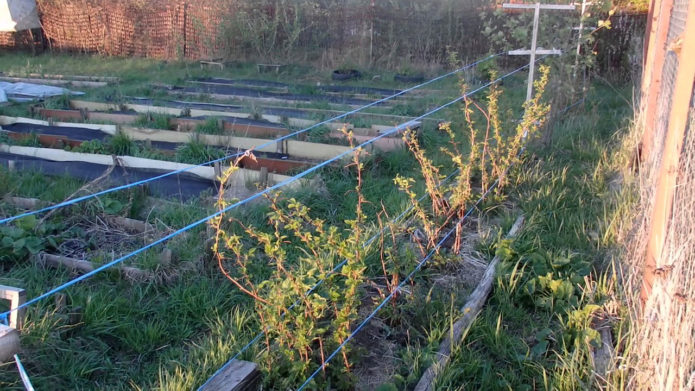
(534,50)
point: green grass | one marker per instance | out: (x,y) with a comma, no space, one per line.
(174,335)
(528,336)
(153,121)
(210,126)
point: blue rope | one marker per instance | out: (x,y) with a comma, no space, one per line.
(417,268)
(310,291)
(269,143)
(4,319)
(253,197)
(398,288)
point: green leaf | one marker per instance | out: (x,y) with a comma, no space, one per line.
(112,206)
(7,242)
(560,262)
(34,245)
(27,223)
(19,244)
(540,348)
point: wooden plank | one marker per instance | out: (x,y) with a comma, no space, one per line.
(279,166)
(653,76)
(314,150)
(26,203)
(181,124)
(117,118)
(412,125)
(51,82)
(542,6)
(216,83)
(82,266)
(394,117)
(131,225)
(235,376)
(204,63)
(526,52)
(668,174)
(65,115)
(93,106)
(265,67)
(108,79)
(385,144)
(45,140)
(470,311)
(254,130)
(9,343)
(154,109)
(300,149)
(16,297)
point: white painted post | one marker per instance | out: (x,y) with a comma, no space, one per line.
(534,41)
(579,39)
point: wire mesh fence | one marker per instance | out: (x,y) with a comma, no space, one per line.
(664,357)
(332,31)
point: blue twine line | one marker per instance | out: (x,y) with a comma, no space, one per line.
(417,268)
(318,284)
(257,195)
(144,181)
(397,289)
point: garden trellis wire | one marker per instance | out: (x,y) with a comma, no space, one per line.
(225,158)
(335,269)
(415,270)
(253,197)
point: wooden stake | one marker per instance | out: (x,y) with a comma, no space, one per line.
(82,266)
(470,312)
(534,40)
(237,376)
(9,343)
(668,174)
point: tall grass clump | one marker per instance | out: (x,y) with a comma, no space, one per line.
(153,121)
(196,152)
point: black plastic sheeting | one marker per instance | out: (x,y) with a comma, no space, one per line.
(282,112)
(73,133)
(327,88)
(180,186)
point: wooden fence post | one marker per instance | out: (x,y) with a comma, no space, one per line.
(684,47)
(653,71)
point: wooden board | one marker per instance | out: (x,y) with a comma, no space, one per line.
(9,343)
(237,376)
(180,124)
(108,79)
(52,82)
(385,144)
(470,311)
(109,129)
